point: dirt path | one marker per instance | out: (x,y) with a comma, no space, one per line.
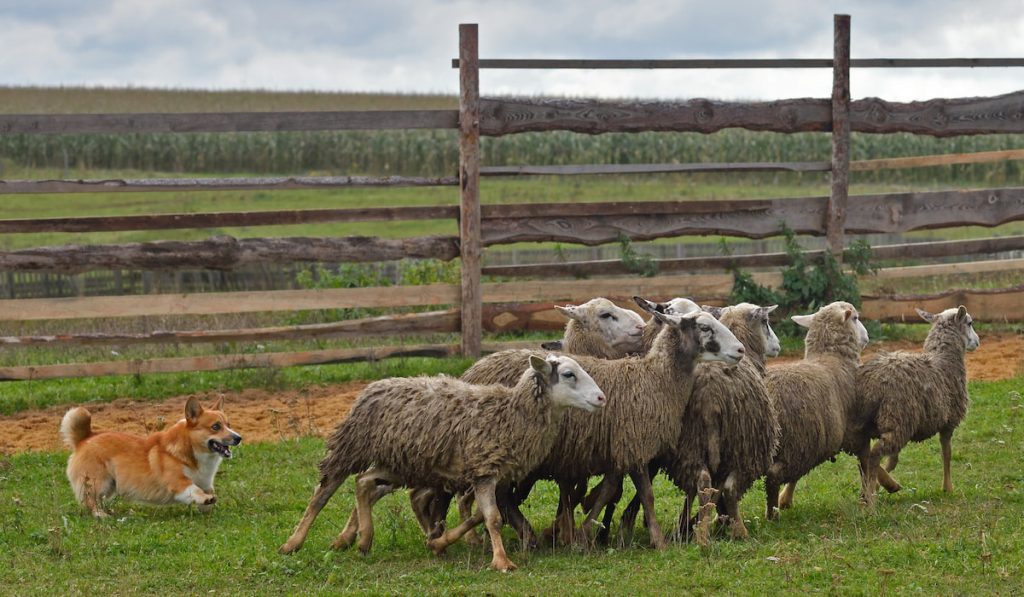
(261,415)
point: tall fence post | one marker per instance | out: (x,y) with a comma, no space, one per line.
(836,216)
(469,184)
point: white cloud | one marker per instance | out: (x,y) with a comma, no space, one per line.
(406,45)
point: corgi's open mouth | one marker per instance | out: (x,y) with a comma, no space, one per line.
(219,448)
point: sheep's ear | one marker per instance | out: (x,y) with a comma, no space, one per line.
(847,314)
(803,321)
(553,345)
(661,318)
(646,305)
(715,312)
(929,317)
(769,309)
(193,410)
(763,312)
(570,311)
(219,404)
(961,312)
(540,365)
(688,321)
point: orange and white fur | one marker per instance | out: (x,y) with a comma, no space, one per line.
(176,465)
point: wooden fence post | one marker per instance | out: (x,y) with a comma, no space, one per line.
(469,184)
(836,216)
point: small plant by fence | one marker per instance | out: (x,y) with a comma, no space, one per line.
(481,226)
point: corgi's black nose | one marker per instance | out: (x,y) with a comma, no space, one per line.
(237,438)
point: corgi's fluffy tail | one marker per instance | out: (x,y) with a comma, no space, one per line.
(76,427)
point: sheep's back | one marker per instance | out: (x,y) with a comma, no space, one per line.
(439,432)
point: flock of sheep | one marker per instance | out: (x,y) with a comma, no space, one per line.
(686,393)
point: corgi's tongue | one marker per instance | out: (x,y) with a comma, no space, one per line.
(219,448)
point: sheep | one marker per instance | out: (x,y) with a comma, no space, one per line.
(729,432)
(646,398)
(815,398)
(444,432)
(600,328)
(913,396)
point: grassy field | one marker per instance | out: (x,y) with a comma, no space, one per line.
(920,541)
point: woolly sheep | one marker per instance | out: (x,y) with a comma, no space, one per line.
(913,396)
(815,398)
(729,431)
(600,328)
(444,432)
(646,398)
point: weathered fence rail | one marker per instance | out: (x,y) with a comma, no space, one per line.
(479,305)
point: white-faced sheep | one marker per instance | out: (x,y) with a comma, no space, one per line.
(444,432)
(646,399)
(914,396)
(729,430)
(600,328)
(815,398)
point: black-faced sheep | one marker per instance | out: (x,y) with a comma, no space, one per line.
(446,433)
(646,399)
(914,396)
(815,398)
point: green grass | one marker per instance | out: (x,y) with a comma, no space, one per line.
(920,541)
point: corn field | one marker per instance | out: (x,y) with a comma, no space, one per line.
(421,152)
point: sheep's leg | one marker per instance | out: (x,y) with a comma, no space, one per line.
(605,491)
(564,528)
(367,495)
(439,544)
(730,501)
(642,480)
(886,480)
(786,497)
(321,495)
(513,516)
(627,523)
(771,490)
(348,534)
(419,500)
(868,474)
(946,439)
(488,505)
(609,509)
(684,528)
(465,503)
(891,462)
(706,498)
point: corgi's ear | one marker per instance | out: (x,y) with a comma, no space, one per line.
(219,404)
(193,410)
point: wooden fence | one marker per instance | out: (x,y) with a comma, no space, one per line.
(483,306)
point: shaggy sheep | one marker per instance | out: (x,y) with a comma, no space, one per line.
(600,328)
(815,398)
(444,432)
(646,399)
(913,396)
(730,429)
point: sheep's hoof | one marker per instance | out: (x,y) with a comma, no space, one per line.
(437,546)
(290,546)
(503,564)
(739,530)
(343,542)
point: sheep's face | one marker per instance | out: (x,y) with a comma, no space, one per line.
(570,385)
(716,342)
(620,328)
(758,316)
(960,320)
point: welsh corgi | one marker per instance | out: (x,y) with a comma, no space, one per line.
(176,465)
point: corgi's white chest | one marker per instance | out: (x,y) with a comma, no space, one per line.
(203,476)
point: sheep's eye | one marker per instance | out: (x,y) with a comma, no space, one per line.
(704,328)
(215,427)
(569,375)
(608,316)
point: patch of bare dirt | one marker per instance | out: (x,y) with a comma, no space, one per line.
(262,415)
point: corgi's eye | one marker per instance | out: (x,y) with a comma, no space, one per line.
(216,427)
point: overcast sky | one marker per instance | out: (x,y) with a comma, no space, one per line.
(407,45)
